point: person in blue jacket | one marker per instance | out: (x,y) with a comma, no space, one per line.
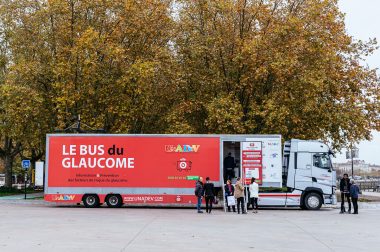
(354,193)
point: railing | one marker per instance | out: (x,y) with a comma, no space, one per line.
(368,185)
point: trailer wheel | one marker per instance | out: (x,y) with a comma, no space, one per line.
(313,201)
(114,200)
(91,200)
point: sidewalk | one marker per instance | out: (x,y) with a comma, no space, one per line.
(21,196)
(373,194)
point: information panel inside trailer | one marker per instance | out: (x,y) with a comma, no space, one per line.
(130,161)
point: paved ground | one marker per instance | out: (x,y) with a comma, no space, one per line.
(34,225)
(22,196)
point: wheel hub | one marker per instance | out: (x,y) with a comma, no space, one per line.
(313,201)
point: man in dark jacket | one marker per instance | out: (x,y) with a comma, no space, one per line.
(199,191)
(229,165)
(354,192)
(209,194)
(345,193)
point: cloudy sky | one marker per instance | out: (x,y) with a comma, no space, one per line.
(363,22)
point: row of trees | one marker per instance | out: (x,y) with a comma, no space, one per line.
(163,66)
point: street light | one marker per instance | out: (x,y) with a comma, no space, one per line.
(351,154)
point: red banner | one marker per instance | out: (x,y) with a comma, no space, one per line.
(131,161)
(252,162)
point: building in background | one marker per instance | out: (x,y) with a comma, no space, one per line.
(360,168)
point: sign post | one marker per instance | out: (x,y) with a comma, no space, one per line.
(25,165)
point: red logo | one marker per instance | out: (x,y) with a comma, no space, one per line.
(183,165)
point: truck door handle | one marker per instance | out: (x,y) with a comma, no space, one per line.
(308,166)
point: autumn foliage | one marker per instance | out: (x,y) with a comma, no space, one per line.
(160,66)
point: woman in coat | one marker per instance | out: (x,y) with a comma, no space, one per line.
(254,194)
(229,191)
(239,195)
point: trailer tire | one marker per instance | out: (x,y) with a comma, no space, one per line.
(91,200)
(313,201)
(114,200)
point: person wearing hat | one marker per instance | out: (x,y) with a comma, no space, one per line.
(354,193)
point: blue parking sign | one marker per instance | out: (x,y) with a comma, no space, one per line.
(26,164)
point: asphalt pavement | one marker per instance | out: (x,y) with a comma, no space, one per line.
(35,225)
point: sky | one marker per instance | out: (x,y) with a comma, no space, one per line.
(363,22)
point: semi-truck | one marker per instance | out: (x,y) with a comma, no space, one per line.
(161,170)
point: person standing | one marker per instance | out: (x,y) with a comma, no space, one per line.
(354,192)
(229,165)
(345,193)
(239,195)
(209,195)
(199,191)
(229,191)
(254,194)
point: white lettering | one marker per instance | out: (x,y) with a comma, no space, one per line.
(82,163)
(131,163)
(101,150)
(73,149)
(121,163)
(66,163)
(83,150)
(64,150)
(110,163)
(93,164)
(101,165)
(88,162)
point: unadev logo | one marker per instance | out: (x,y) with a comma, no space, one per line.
(64,197)
(182,148)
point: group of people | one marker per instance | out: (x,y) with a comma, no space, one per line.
(348,190)
(204,190)
(236,192)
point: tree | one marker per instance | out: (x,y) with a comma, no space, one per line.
(289,64)
(108,61)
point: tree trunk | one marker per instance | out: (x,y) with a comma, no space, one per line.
(7,154)
(8,164)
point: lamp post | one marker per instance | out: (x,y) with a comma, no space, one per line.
(351,154)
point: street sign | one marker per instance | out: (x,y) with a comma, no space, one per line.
(25,164)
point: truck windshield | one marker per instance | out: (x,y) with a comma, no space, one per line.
(322,160)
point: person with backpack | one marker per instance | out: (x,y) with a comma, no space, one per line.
(199,191)
(209,194)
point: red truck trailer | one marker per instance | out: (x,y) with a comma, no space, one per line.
(134,169)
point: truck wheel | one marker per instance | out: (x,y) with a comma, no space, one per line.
(302,206)
(114,200)
(91,200)
(313,201)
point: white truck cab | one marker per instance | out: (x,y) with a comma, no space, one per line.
(307,169)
